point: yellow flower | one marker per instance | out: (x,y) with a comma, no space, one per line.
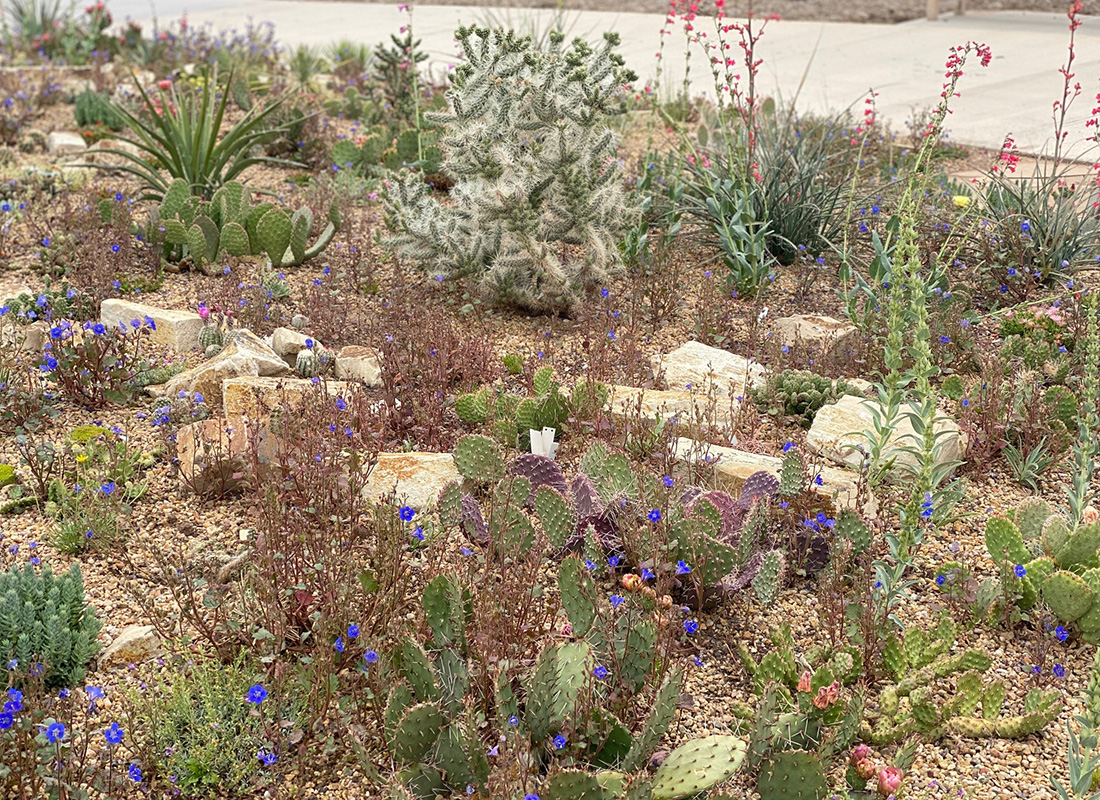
(81,458)
(961,201)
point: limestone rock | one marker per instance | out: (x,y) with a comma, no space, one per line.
(245,355)
(288,342)
(135,644)
(838,489)
(357,363)
(178,330)
(28,338)
(63,143)
(254,396)
(694,364)
(675,406)
(816,331)
(413,479)
(838,429)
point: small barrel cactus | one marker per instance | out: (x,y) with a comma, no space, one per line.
(212,350)
(307,364)
(209,336)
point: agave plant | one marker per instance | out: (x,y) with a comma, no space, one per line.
(180,138)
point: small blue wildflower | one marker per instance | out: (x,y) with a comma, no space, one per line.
(113,734)
(616,600)
(257,694)
(55,733)
(600,672)
(654,515)
(691,626)
(559,742)
(406,514)
(682,568)
(1019,570)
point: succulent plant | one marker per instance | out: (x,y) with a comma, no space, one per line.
(210,336)
(513,417)
(798,394)
(909,706)
(228,223)
(1038,555)
(792,775)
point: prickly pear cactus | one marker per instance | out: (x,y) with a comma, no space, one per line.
(793,775)
(698,766)
(478,459)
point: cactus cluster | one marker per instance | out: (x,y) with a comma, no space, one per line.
(916,704)
(228,223)
(798,394)
(44,620)
(1040,556)
(727,542)
(93,109)
(513,417)
(433,730)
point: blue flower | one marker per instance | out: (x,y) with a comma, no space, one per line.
(1061,633)
(98,329)
(56,332)
(531,797)
(682,568)
(418,534)
(600,672)
(353,631)
(339,644)
(341,403)
(616,600)
(94,693)
(590,563)
(788,447)
(1059,671)
(1025,226)
(691,626)
(257,694)
(55,733)
(819,480)
(559,742)
(1019,570)
(134,773)
(267,758)
(655,515)
(406,514)
(667,481)
(115,248)
(151,323)
(113,734)
(941,580)
(370,657)
(604,292)
(613,561)
(647,574)
(108,487)
(6,721)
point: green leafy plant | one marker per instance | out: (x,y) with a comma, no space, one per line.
(180,134)
(44,621)
(534,226)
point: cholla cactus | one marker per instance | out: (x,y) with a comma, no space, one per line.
(537,196)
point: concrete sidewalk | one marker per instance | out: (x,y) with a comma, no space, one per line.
(839,61)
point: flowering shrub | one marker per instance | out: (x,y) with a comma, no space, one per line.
(93,365)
